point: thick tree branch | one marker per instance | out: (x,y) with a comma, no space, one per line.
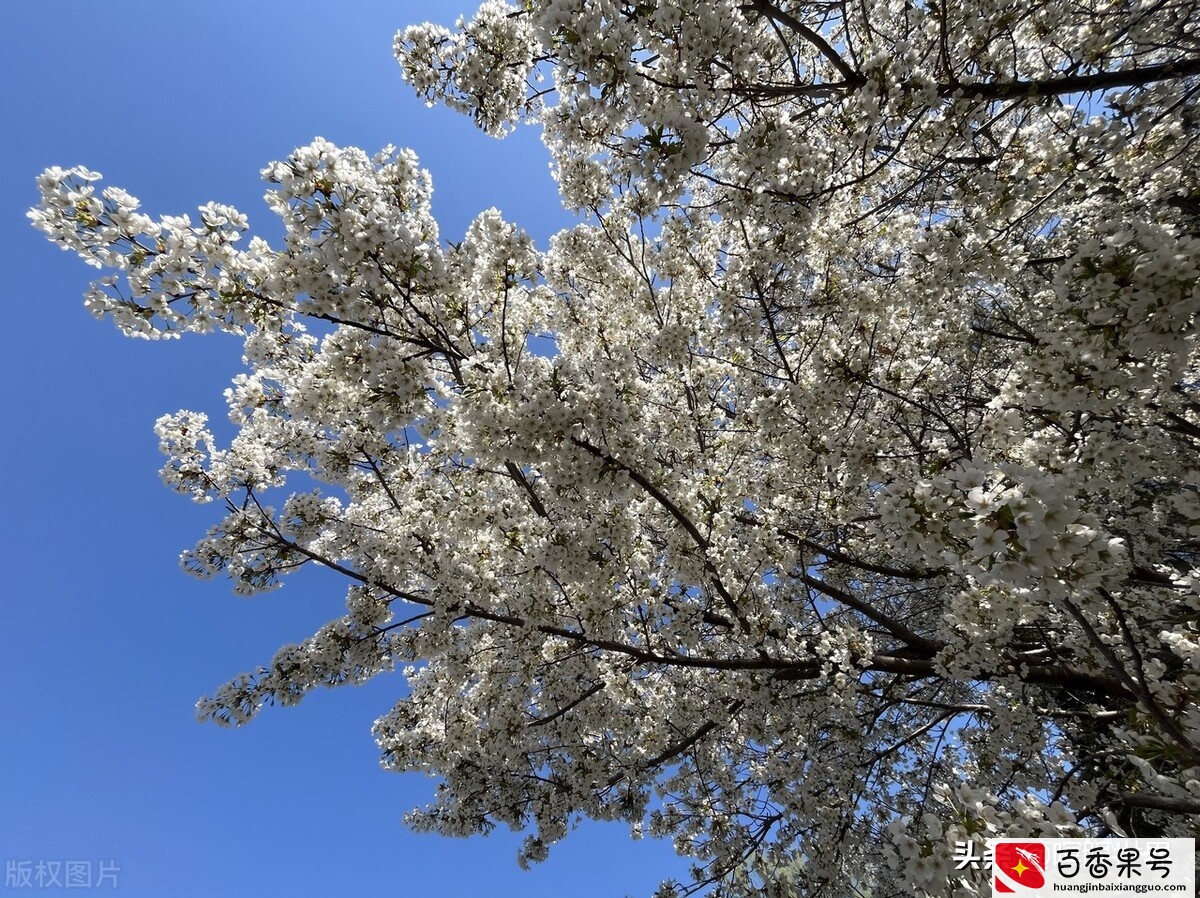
(782,668)
(773,12)
(566,709)
(1019,89)
(680,516)
(1161,803)
(1073,84)
(519,476)
(909,636)
(883,570)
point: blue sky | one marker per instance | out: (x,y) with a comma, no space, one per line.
(108,643)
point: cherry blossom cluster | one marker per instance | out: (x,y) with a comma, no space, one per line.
(826,497)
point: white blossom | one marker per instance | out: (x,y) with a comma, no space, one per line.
(855,511)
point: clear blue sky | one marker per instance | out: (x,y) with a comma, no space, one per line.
(107,643)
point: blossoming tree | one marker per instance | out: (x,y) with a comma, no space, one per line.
(828,496)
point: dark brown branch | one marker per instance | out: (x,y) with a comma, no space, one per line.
(1136,687)
(909,636)
(1020,338)
(381,480)
(914,735)
(784,669)
(1020,89)
(883,570)
(1040,674)
(1074,84)
(658,495)
(1161,803)
(684,521)
(771,11)
(518,475)
(675,750)
(566,709)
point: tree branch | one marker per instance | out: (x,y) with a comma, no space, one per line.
(1161,803)
(769,10)
(909,636)
(1073,84)
(1019,89)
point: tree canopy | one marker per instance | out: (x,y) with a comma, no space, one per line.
(827,495)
